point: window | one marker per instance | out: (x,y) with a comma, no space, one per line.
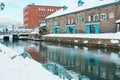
(92,17)
(52,10)
(64,22)
(47,23)
(89,18)
(43,9)
(71,21)
(68,21)
(55,23)
(118,27)
(50,23)
(82,19)
(77,20)
(48,10)
(61,22)
(111,15)
(39,9)
(96,17)
(103,16)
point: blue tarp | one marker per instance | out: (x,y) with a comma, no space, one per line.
(42,27)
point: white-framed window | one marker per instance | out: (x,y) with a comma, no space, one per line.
(71,21)
(83,19)
(96,17)
(68,21)
(77,20)
(64,22)
(61,22)
(48,10)
(55,23)
(48,24)
(39,9)
(111,15)
(52,10)
(43,9)
(89,18)
(103,16)
(92,18)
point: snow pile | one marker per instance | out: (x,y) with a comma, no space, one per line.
(97,36)
(114,41)
(88,4)
(15,67)
(85,41)
(76,41)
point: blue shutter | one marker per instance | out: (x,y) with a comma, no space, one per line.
(96,28)
(54,30)
(88,29)
(67,30)
(73,29)
(58,30)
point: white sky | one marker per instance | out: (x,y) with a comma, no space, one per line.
(14,8)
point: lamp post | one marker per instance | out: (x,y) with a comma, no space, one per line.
(2,6)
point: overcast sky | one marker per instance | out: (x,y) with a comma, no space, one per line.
(14,8)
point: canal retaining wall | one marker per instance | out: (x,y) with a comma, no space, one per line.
(88,42)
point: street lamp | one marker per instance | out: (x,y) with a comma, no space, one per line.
(2,6)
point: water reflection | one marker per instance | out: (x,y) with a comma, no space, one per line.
(96,64)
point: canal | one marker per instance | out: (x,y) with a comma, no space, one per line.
(94,64)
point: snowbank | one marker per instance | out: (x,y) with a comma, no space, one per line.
(99,36)
(15,67)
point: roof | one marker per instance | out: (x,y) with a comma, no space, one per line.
(42,26)
(41,6)
(88,4)
(118,21)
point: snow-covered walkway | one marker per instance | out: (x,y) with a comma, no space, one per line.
(15,67)
(98,36)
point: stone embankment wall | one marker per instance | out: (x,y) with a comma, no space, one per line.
(89,42)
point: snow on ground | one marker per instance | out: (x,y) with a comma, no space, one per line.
(99,36)
(15,67)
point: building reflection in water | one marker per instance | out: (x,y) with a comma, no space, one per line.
(95,64)
(33,50)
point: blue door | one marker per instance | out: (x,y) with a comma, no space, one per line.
(67,30)
(73,29)
(56,30)
(88,29)
(96,28)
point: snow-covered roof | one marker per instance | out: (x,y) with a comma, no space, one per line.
(88,4)
(118,21)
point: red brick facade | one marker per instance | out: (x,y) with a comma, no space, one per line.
(35,15)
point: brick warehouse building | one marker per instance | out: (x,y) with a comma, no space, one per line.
(86,16)
(34,15)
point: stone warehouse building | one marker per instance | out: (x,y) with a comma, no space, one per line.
(96,16)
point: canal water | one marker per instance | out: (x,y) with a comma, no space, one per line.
(92,64)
